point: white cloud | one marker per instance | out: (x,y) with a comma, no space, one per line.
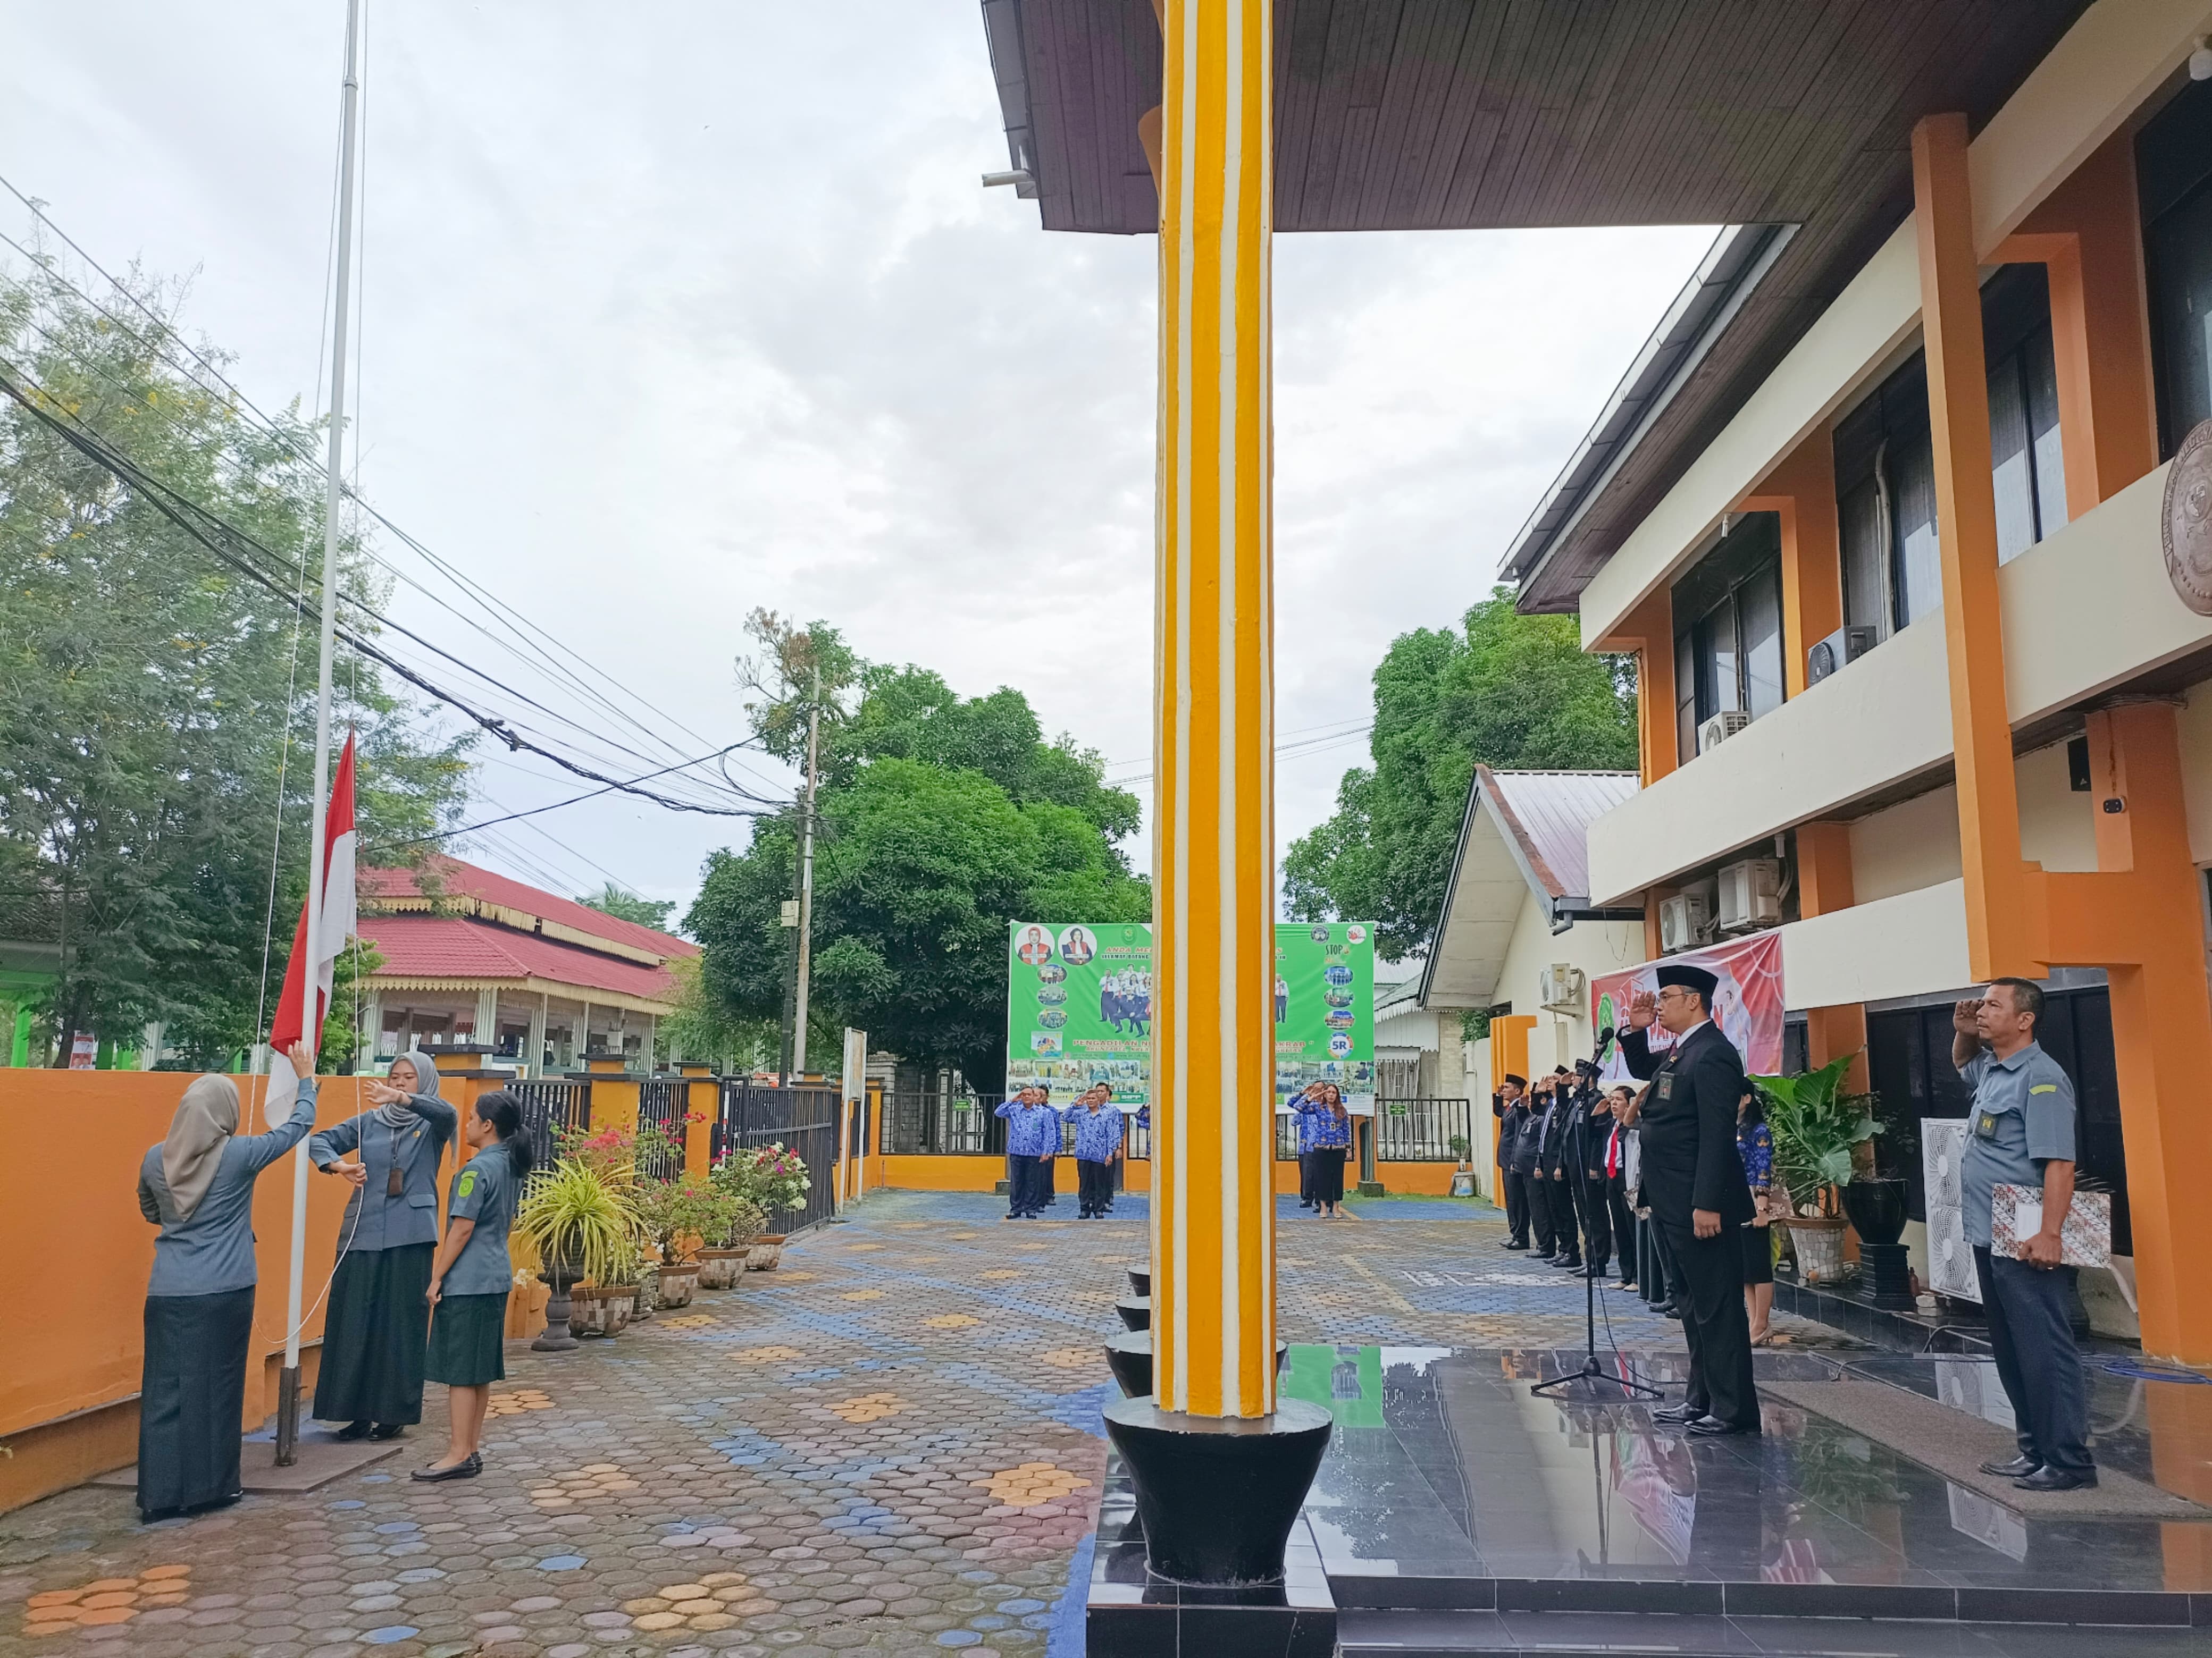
(670,311)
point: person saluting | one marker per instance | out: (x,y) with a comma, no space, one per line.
(1695,1182)
(379,1322)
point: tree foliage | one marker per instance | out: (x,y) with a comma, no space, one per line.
(942,819)
(147,691)
(1503,689)
(626,906)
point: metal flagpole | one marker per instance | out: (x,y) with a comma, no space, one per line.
(288,1392)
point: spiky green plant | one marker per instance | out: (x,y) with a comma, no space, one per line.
(582,1216)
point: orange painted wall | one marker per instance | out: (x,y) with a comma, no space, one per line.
(981,1174)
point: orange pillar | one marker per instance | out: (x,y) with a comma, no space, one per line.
(2088,234)
(1824,885)
(1509,1051)
(1802,493)
(1647,634)
(1999,924)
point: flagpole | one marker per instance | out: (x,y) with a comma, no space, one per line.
(311,1023)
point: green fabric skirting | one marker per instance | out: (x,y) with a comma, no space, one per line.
(374,1335)
(193,1399)
(467,1333)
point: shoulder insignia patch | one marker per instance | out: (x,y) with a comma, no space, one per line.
(468,1182)
(2045,1088)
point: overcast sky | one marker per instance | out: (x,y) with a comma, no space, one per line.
(671,310)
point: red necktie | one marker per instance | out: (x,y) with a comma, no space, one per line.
(1613,1153)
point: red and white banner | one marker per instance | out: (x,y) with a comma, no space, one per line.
(1746,1004)
(340,916)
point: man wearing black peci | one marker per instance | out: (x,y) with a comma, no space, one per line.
(1694,1181)
(1510,1105)
(1554,1104)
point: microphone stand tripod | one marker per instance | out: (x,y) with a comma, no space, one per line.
(1593,1372)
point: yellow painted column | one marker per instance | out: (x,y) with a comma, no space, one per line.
(1213,1060)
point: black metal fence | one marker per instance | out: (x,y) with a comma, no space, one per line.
(662,1103)
(1421,1130)
(941,1125)
(801,1119)
(547,1105)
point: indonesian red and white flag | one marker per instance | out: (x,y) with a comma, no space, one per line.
(341,914)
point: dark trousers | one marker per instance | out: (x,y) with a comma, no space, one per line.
(1306,1179)
(1710,1272)
(1624,1224)
(1027,1196)
(1566,1223)
(2030,1313)
(1515,1192)
(1597,1221)
(1094,1184)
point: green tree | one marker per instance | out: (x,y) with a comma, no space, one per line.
(942,819)
(625,906)
(147,691)
(1509,691)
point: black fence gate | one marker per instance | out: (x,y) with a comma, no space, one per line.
(547,1105)
(942,1124)
(661,1103)
(801,1119)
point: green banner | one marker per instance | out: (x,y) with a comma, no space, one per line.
(1079,1001)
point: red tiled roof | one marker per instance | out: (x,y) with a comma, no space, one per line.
(457,879)
(459,947)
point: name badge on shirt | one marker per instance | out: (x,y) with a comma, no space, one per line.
(1666,1084)
(1985,1125)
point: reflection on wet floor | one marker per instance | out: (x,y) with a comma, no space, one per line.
(1446,1467)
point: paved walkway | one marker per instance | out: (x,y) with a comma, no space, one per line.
(892,1444)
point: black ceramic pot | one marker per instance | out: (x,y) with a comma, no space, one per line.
(1876,1208)
(1136,1311)
(1129,1356)
(1141,1281)
(1218,1497)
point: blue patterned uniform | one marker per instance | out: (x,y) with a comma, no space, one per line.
(1755,1144)
(1032,1131)
(1098,1133)
(1324,1131)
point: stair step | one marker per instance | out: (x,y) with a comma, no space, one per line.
(1629,1635)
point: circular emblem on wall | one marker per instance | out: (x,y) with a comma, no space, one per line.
(2186,524)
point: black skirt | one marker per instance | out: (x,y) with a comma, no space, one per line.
(191,1401)
(1328,1173)
(1758,1253)
(374,1335)
(467,1337)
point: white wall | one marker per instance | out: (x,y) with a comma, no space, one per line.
(1595,947)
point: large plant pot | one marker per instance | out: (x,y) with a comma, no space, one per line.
(1819,1244)
(719,1268)
(558,1336)
(1218,1496)
(1877,1208)
(601,1309)
(766,1251)
(678,1285)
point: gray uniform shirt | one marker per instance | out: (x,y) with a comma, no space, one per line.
(484,1191)
(2023,1118)
(375,1218)
(212,1253)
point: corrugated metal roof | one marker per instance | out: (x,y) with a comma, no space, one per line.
(459,947)
(1549,813)
(454,878)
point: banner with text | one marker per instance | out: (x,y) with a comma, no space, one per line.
(1746,1004)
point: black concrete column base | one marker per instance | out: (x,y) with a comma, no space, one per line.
(1136,1311)
(1129,1356)
(1218,1496)
(1141,1281)
(1889,1274)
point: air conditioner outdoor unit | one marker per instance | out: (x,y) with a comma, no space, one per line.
(1681,918)
(1843,646)
(1560,988)
(1750,893)
(1721,727)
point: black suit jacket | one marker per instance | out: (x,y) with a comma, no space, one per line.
(1689,1152)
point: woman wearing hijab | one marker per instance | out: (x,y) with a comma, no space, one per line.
(472,1276)
(198,1187)
(378,1322)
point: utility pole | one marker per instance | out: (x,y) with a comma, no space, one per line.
(790,920)
(806,867)
(287,1383)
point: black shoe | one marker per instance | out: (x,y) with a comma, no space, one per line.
(2058,1480)
(468,1470)
(1711,1427)
(1571,1262)
(1679,1413)
(2019,1468)
(1510,1244)
(353,1430)
(387,1430)
(1595,1269)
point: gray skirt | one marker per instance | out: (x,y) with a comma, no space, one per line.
(467,1341)
(191,1401)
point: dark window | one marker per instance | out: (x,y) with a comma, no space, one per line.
(1729,645)
(2027,465)
(2173,183)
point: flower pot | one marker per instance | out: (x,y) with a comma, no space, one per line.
(678,1285)
(600,1309)
(719,1268)
(1819,1243)
(558,1336)
(1877,1208)
(645,1298)
(765,1252)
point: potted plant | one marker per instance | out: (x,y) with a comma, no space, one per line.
(1823,1139)
(578,1220)
(776,1182)
(720,1265)
(678,1215)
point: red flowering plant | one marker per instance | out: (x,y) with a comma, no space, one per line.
(770,1177)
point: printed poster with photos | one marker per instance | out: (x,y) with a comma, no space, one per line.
(1079,1009)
